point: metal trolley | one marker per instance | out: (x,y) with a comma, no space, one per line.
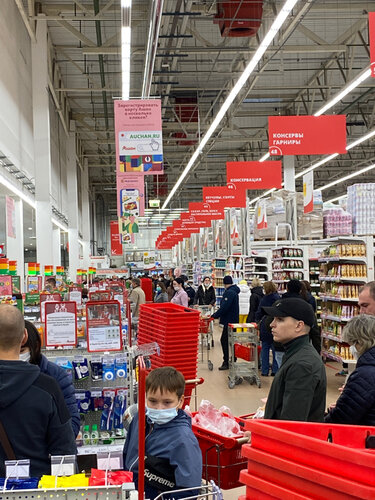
(206,332)
(207,492)
(243,354)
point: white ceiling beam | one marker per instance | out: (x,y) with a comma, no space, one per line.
(25,20)
(82,38)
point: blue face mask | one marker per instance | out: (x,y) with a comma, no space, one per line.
(161,416)
(158,289)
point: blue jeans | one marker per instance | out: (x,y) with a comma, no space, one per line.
(265,357)
(279,357)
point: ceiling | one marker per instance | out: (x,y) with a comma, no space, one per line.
(322,46)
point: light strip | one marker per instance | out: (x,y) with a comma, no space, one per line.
(125,47)
(17,192)
(366,73)
(264,157)
(337,198)
(59,225)
(347,177)
(276,25)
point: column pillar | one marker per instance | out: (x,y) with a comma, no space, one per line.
(15,245)
(85,224)
(289,172)
(41,123)
(56,239)
(72,206)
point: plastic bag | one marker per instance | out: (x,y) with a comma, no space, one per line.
(218,421)
(116,477)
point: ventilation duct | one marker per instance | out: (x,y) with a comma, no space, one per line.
(239,17)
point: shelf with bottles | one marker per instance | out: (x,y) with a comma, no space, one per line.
(104,389)
(336,349)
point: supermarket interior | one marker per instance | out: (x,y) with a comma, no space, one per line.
(187,184)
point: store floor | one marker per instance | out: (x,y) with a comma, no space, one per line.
(245,398)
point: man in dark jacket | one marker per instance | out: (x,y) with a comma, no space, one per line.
(32,408)
(298,391)
(255,298)
(228,312)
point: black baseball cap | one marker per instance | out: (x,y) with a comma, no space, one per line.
(295,308)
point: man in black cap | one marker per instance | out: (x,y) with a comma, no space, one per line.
(298,391)
(228,312)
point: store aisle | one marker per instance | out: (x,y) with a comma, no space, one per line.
(245,398)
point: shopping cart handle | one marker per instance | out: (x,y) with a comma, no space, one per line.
(196,381)
(243,440)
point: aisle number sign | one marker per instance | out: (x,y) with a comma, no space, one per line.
(254,174)
(308,192)
(103,321)
(61,323)
(307,135)
(371,29)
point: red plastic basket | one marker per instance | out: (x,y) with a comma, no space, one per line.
(259,489)
(204,325)
(287,473)
(222,460)
(243,351)
(332,448)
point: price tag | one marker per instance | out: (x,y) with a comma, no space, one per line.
(110,460)
(17,468)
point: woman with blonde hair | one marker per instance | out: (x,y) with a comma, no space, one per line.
(356,405)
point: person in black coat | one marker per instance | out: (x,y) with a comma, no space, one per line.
(255,298)
(205,295)
(30,351)
(356,405)
(228,312)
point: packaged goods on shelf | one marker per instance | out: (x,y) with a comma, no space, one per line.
(279,209)
(310,225)
(362,207)
(337,222)
(287,264)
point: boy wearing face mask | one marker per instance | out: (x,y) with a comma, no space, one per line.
(173,457)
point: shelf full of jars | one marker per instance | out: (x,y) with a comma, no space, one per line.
(342,272)
(287,264)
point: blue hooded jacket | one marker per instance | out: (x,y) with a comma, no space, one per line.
(67,388)
(356,405)
(174,442)
(229,310)
(266,301)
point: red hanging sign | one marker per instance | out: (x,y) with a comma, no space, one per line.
(116,246)
(206,210)
(371,31)
(307,135)
(254,174)
(224,196)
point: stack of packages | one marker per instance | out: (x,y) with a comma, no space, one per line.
(337,222)
(305,461)
(175,329)
(362,208)
(310,225)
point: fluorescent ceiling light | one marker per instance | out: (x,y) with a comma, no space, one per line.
(125,47)
(264,194)
(58,224)
(264,157)
(264,44)
(366,73)
(17,191)
(347,177)
(337,198)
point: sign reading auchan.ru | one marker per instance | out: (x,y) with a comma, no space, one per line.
(307,135)
(139,140)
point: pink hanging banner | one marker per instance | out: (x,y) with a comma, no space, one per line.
(138,134)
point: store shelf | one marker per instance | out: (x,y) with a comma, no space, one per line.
(330,355)
(332,337)
(332,317)
(343,259)
(337,279)
(338,299)
(287,258)
(299,269)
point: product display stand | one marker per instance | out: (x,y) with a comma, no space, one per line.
(287,264)
(256,266)
(218,273)
(200,270)
(343,270)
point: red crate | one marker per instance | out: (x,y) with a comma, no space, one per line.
(244,351)
(222,461)
(258,489)
(319,484)
(332,448)
(167,309)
